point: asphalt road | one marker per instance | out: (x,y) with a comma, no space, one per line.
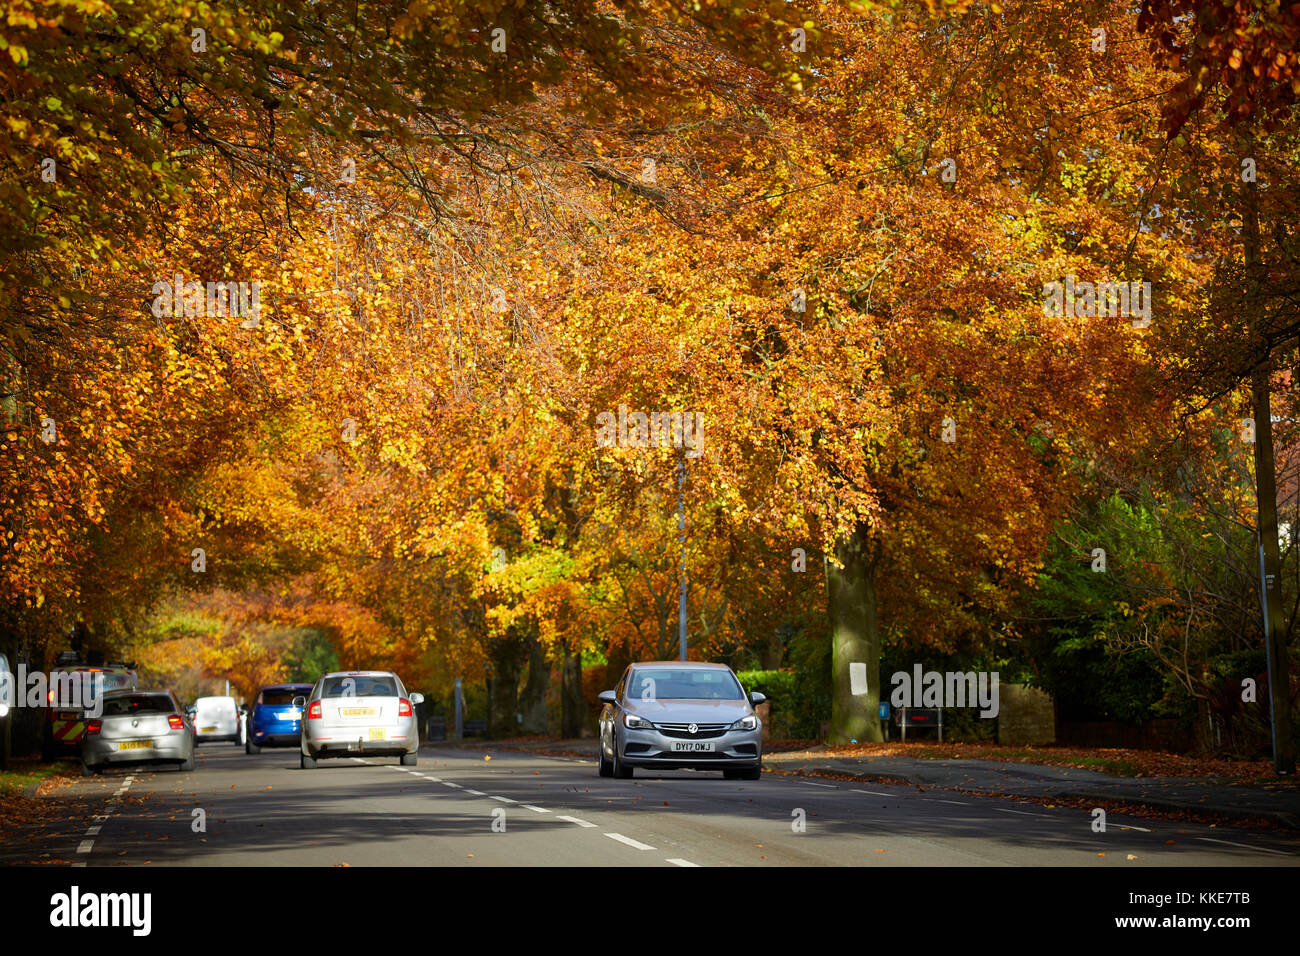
(263,810)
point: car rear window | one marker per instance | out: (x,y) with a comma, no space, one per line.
(361,686)
(282,697)
(666,683)
(137,704)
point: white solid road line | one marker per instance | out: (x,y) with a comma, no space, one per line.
(634,844)
(682,863)
(581,823)
(1244,846)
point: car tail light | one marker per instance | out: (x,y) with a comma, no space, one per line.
(92,727)
(175,722)
(313,712)
(403,707)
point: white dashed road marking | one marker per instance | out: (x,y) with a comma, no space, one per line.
(1245,846)
(634,844)
(581,823)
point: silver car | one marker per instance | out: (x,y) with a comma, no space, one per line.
(359,712)
(137,726)
(680,715)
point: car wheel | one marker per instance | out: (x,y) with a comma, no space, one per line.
(606,768)
(308,762)
(410,760)
(621,770)
(87,770)
(251,748)
(752,773)
(188,764)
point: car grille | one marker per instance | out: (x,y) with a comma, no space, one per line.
(683,732)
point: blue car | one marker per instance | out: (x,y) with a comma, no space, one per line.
(274,721)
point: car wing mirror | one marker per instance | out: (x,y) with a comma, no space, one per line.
(607,697)
(756,698)
(300,702)
(417,698)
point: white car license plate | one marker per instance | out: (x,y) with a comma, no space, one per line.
(693,746)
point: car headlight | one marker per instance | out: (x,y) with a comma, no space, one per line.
(748,722)
(633,722)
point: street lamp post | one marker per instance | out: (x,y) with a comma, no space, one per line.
(681,533)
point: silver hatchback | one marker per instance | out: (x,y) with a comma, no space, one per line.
(350,713)
(138,727)
(680,715)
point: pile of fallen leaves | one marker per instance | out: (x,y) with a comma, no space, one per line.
(1118,761)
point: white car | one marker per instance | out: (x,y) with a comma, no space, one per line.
(359,712)
(217,719)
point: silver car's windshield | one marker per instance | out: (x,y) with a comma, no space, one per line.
(361,686)
(687,683)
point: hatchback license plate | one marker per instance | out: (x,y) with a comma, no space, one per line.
(135,745)
(357,711)
(693,746)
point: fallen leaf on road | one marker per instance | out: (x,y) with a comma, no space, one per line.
(1131,857)
(1172,842)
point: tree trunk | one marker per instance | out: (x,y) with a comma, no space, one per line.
(1266,496)
(619,658)
(573,709)
(855,639)
(533,702)
(507,655)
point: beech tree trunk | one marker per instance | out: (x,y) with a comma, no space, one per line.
(855,639)
(573,709)
(532,704)
(507,654)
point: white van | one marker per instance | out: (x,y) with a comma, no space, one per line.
(217,718)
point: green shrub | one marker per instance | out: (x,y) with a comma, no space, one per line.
(798,700)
